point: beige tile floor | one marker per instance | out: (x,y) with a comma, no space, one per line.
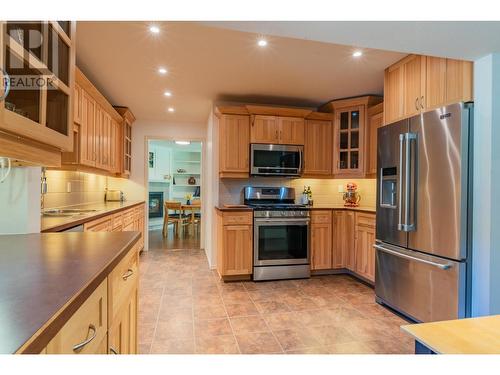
(185,308)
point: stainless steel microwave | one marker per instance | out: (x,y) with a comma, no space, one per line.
(276,160)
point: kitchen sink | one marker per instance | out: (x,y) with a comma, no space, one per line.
(67,212)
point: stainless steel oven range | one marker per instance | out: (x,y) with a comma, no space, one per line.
(281,234)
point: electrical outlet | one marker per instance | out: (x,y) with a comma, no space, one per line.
(68,187)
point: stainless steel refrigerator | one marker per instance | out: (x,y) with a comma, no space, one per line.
(424,206)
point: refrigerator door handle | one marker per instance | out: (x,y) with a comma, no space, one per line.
(400,182)
(409,137)
(442,266)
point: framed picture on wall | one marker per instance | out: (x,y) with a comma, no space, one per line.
(151,159)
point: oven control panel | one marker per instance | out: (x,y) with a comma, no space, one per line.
(282,213)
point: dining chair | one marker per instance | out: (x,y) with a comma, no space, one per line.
(196,216)
(177,217)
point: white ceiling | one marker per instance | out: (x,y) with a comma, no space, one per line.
(467,40)
(208,64)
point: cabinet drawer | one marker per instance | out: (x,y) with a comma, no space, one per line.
(232,218)
(128,217)
(117,220)
(365,220)
(122,281)
(84,332)
(321,217)
(104,224)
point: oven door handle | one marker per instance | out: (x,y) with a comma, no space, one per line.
(282,220)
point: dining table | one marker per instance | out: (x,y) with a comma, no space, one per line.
(193,208)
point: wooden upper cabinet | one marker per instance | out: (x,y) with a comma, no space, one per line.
(424,83)
(102,133)
(414,85)
(234,146)
(291,130)
(375,121)
(277,130)
(127,120)
(393,94)
(77,104)
(349,141)
(458,81)
(87,131)
(40,117)
(435,82)
(318,148)
(264,129)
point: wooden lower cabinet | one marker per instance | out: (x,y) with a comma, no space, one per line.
(321,240)
(364,251)
(128,220)
(107,321)
(122,336)
(85,330)
(234,244)
(343,239)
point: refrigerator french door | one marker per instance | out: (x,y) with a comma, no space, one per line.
(423,205)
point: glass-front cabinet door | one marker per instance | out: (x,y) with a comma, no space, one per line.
(349,141)
(38,62)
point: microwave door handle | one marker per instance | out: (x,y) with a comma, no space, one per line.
(300,161)
(400,182)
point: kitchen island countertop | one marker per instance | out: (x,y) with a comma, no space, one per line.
(45,277)
(461,336)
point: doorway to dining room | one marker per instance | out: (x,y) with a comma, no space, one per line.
(174,188)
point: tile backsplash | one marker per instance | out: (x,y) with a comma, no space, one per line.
(69,188)
(324,191)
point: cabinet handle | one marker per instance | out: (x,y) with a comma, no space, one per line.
(128,274)
(79,346)
(422,102)
(277,135)
(416,104)
(112,350)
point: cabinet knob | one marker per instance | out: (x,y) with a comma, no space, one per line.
(416,104)
(422,102)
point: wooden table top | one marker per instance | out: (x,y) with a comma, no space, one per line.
(462,336)
(190,206)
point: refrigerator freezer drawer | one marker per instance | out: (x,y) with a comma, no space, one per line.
(423,287)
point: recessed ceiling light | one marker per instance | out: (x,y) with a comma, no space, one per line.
(357,54)
(154,29)
(184,143)
(162,70)
(167,93)
(262,42)
(171,109)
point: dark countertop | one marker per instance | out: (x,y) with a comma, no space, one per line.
(49,275)
(60,223)
(235,208)
(340,207)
